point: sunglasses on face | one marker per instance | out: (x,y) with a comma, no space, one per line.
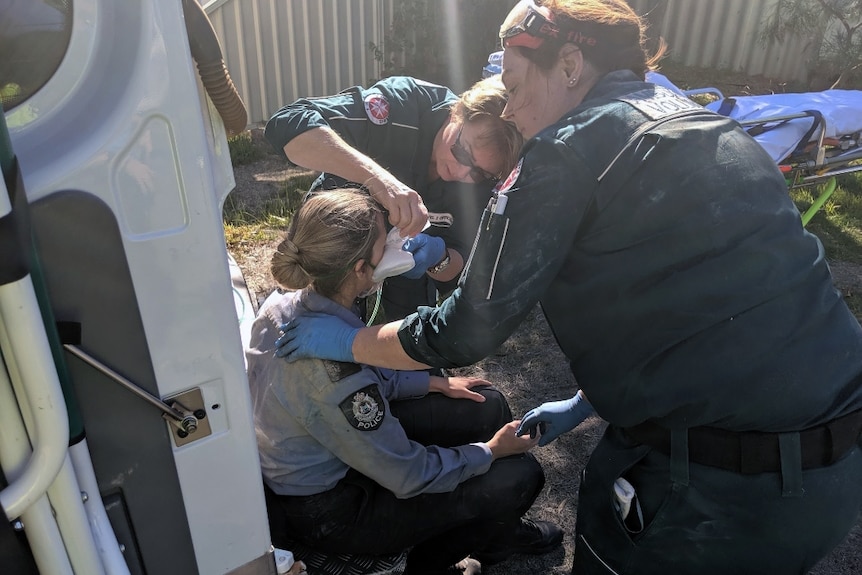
(463,157)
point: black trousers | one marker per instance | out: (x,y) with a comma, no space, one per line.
(401,296)
(709,521)
(359,516)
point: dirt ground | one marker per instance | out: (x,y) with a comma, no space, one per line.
(530,368)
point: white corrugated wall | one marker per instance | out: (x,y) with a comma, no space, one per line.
(281,50)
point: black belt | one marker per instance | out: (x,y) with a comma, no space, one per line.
(750,452)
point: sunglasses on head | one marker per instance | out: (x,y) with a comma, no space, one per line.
(463,157)
(526,26)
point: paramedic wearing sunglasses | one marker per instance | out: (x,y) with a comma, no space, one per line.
(698,315)
(363,460)
(400,137)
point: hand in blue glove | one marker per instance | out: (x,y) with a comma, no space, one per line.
(316,335)
(427,252)
(555,418)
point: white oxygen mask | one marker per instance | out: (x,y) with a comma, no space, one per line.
(395,260)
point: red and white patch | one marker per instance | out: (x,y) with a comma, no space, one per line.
(377,109)
(513,175)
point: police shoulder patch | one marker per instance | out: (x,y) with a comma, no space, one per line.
(364,409)
(338,370)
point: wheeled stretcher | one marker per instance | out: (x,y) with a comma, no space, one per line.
(812,137)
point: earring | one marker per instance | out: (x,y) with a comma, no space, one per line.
(572,81)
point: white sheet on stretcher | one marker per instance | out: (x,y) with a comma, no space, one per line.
(841,109)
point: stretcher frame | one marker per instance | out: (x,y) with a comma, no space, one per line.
(814,161)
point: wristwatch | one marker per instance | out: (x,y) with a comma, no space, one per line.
(441,265)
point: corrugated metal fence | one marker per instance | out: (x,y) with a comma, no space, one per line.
(281,50)
(723,34)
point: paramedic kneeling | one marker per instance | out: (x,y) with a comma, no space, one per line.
(364,460)
(698,315)
(399,135)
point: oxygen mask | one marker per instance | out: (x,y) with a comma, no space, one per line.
(395,261)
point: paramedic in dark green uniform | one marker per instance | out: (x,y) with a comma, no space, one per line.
(402,135)
(698,315)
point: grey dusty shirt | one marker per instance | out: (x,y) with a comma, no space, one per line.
(316,419)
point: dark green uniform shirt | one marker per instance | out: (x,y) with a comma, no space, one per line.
(394,122)
(682,289)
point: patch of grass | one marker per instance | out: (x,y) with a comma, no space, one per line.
(276,209)
(262,222)
(838,224)
(703,99)
(237,236)
(244,150)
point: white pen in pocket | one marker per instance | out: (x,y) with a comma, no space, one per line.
(628,506)
(500,203)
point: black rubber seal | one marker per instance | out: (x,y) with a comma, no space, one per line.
(15,239)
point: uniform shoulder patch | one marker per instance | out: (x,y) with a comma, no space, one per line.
(364,409)
(338,370)
(377,108)
(512,178)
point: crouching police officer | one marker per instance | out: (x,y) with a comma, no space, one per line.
(372,461)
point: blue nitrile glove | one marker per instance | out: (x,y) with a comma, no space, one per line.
(555,418)
(316,335)
(427,252)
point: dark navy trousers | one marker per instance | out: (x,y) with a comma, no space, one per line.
(358,516)
(708,521)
